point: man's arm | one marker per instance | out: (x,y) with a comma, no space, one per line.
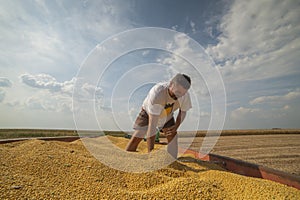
(173,129)
(153,120)
(180,117)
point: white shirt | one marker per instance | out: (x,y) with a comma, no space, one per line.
(159,102)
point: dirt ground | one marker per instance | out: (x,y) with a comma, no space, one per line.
(281,152)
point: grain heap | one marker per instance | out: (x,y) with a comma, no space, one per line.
(36,169)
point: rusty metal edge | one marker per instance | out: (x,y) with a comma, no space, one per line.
(248,169)
(60,138)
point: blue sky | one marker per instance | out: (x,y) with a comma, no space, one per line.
(254,44)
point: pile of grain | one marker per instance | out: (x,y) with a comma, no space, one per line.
(36,169)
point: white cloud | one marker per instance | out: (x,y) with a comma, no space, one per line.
(50,102)
(209,31)
(46,81)
(43,81)
(286,116)
(242,112)
(57,96)
(35,103)
(2,95)
(5,82)
(175,27)
(277,98)
(14,104)
(193,26)
(43,101)
(259,40)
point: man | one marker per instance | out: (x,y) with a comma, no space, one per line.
(157,112)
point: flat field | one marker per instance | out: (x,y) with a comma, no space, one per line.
(33,133)
(278,151)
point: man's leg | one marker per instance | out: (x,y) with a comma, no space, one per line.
(173,145)
(136,138)
(150,143)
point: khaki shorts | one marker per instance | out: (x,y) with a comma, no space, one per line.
(142,120)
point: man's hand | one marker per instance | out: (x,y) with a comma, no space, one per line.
(170,131)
